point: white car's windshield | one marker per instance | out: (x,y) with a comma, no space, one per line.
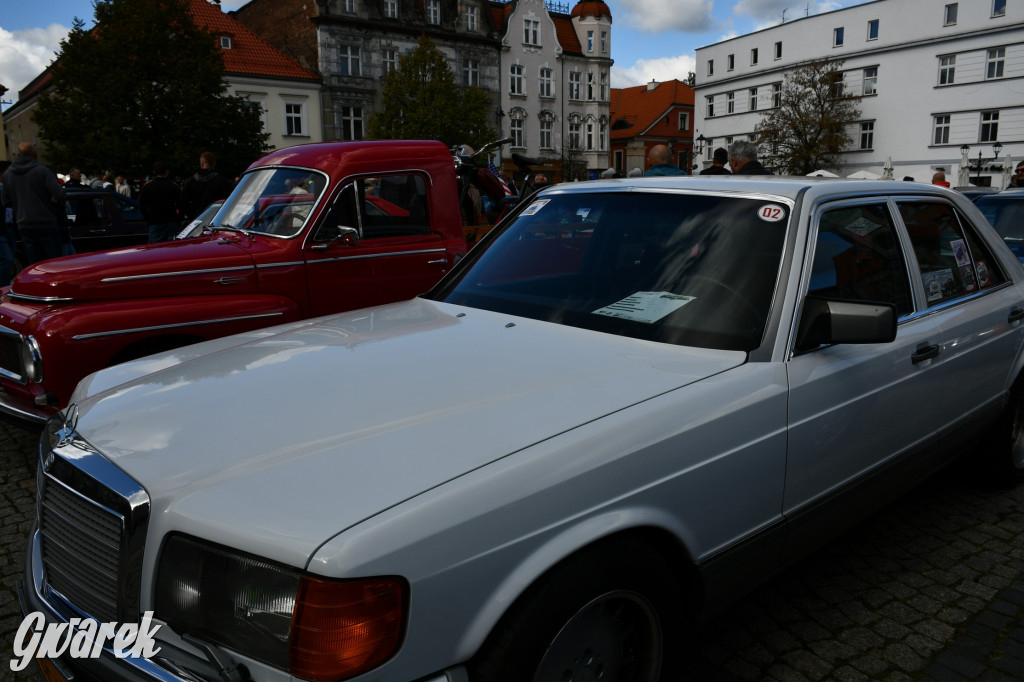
(274,201)
(690,269)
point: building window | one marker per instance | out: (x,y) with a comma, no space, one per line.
(515,79)
(994,62)
(531,31)
(684,120)
(391,9)
(989,126)
(518,136)
(471,72)
(259,103)
(472,17)
(225,42)
(602,135)
(711,106)
(730,62)
(947,69)
(590,41)
(434,12)
(574,85)
(294,118)
(753,57)
(390,61)
(604,42)
(730,103)
(604,86)
(871,81)
(348,60)
(545,82)
(619,160)
(941,135)
(778,50)
(348,6)
(949,16)
(590,135)
(590,87)
(575,134)
(998,8)
(867,135)
(776,95)
(546,126)
(350,121)
(753,99)
(711,67)
(837,37)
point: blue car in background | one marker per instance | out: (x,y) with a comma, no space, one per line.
(1005,210)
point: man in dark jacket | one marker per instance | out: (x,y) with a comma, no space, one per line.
(743,159)
(718,161)
(160,203)
(38,201)
(204,188)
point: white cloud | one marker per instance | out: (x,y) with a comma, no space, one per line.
(656,16)
(26,54)
(646,70)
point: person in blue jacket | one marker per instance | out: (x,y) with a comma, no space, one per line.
(661,162)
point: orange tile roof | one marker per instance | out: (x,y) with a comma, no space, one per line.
(567,37)
(642,107)
(249,54)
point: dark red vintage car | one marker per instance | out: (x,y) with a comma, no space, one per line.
(308,231)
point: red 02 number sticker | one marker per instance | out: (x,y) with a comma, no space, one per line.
(771,213)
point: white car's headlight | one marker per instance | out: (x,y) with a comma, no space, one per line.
(315,629)
(31,359)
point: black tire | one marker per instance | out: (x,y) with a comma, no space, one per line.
(605,613)
(1005,446)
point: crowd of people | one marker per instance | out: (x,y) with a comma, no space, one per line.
(33,200)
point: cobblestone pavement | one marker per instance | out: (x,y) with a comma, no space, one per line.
(930,588)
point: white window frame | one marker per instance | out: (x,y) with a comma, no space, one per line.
(870,84)
(947,69)
(711,67)
(350,55)
(517,131)
(995,61)
(348,119)
(754,56)
(838,36)
(348,6)
(604,42)
(390,9)
(867,135)
(225,43)
(590,41)
(531,32)
(590,136)
(730,62)
(949,14)
(294,118)
(776,95)
(515,80)
(873,27)
(778,50)
(389,60)
(545,82)
(998,8)
(434,12)
(730,103)
(684,120)
(753,99)
(590,87)
(575,85)
(472,17)
(471,72)
(710,102)
(604,86)
(575,133)
(602,135)
(940,128)
(989,131)
(547,125)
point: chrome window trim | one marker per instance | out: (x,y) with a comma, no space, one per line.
(377,255)
(156,275)
(178,325)
(39,299)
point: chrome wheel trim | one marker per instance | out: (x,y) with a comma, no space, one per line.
(616,637)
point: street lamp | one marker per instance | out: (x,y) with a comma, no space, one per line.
(698,149)
(996,149)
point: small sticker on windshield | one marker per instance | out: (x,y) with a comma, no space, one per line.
(771,213)
(645,306)
(536,206)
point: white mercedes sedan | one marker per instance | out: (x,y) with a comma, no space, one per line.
(634,399)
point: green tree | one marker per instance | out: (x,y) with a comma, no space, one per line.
(126,93)
(808,130)
(422,101)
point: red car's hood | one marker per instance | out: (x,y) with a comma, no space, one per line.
(178,268)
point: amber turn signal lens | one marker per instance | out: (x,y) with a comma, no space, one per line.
(342,629)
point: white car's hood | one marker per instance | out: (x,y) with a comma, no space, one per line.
(283,442)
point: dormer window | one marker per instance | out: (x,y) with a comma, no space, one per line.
(225,42)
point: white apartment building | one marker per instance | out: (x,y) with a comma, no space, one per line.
(555,82)
(941,83)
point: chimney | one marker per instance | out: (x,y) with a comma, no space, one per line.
(652,85)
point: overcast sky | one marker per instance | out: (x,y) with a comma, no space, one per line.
(651,39)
